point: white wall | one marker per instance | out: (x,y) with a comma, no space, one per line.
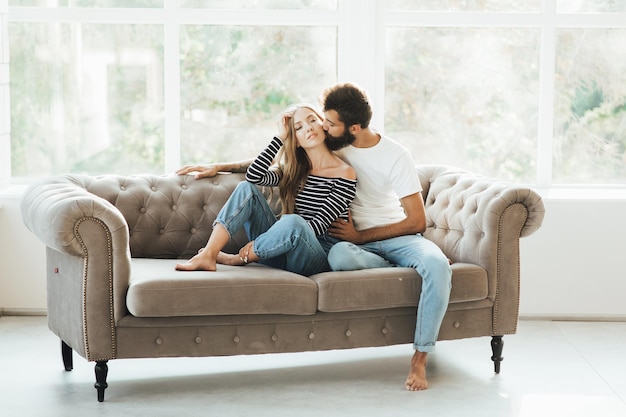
(22,262)
(5,97)
(572,267)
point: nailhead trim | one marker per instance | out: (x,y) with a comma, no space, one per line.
(110,276)
(499,262)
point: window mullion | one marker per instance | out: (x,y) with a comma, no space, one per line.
(171,90)
(547,62)
(357,40)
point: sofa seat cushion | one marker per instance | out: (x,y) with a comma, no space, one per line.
(157,290)
(373,289)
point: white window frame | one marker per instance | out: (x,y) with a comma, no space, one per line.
(361,28)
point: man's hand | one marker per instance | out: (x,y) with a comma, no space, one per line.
(414,222)
(345,230)
(202,171)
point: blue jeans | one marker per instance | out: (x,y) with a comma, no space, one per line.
(287,243)
(414,251)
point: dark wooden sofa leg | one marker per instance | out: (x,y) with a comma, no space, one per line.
(102,370)
(66,353)
(496,348)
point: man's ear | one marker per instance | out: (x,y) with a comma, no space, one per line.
(354,129)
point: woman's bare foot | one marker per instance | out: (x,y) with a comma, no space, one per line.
(203,261)
(416,381)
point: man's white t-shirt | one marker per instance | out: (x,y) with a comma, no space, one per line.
(385,174)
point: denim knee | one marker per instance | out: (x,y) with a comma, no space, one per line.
(245,186)
(294,222)
(346,256)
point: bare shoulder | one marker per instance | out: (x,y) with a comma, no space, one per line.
(344,170)
(347,172)
(337,169)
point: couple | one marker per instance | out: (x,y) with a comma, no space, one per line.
(382,227)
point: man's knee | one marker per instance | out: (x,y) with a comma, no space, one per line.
(343,256)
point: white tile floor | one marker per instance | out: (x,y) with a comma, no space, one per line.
(550,369)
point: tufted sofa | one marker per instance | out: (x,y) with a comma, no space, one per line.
(112,291)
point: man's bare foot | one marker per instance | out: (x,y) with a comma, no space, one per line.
(416,381)
(200,262)
(229,259)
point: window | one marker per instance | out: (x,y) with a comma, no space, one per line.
(524,90)
(465,96)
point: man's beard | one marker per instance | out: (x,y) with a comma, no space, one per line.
(335,143)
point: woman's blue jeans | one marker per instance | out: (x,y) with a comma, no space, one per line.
(414,251)
(287,243)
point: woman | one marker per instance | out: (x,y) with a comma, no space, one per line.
(315,188)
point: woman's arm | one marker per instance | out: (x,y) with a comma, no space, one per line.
(259,171)
(334,206)
(211,170)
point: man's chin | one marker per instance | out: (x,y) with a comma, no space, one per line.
(334,143)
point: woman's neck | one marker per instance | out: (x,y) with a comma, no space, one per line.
(321,158)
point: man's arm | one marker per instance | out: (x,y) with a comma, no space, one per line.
(211,170)
(415,222)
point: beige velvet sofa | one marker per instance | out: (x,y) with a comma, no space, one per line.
(112,291)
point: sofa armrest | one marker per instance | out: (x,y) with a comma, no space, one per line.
(479,220)
(54,207)
(88,262)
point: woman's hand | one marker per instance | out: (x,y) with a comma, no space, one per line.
(283,124)
(202,171)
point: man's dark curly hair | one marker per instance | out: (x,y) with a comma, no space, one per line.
(350,102)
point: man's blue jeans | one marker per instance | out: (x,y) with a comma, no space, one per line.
(287,243)
(414,251)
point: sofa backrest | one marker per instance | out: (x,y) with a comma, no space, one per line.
(171,216)
(168,216)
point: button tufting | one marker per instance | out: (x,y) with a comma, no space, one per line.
(174,207)
(184,186)
(153,188)
(158,341)
(198,340)
(143,210)
(348,333)
(456,324)
(274,338)
(236,339)
(123,188)
(193,230)
(384,330)
(311,336)
(162,231)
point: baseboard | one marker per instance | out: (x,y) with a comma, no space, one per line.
(574,317)
(23,312)
(525,317)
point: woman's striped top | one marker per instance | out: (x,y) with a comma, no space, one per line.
(319,202)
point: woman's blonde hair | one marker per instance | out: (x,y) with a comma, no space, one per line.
(294,163)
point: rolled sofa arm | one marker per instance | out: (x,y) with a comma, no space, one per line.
(468,214)
(52,208)
(479,220)
(88,262)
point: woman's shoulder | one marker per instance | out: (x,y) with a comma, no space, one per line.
(343,170)
(347,172)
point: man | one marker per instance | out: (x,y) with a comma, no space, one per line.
(387,215)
